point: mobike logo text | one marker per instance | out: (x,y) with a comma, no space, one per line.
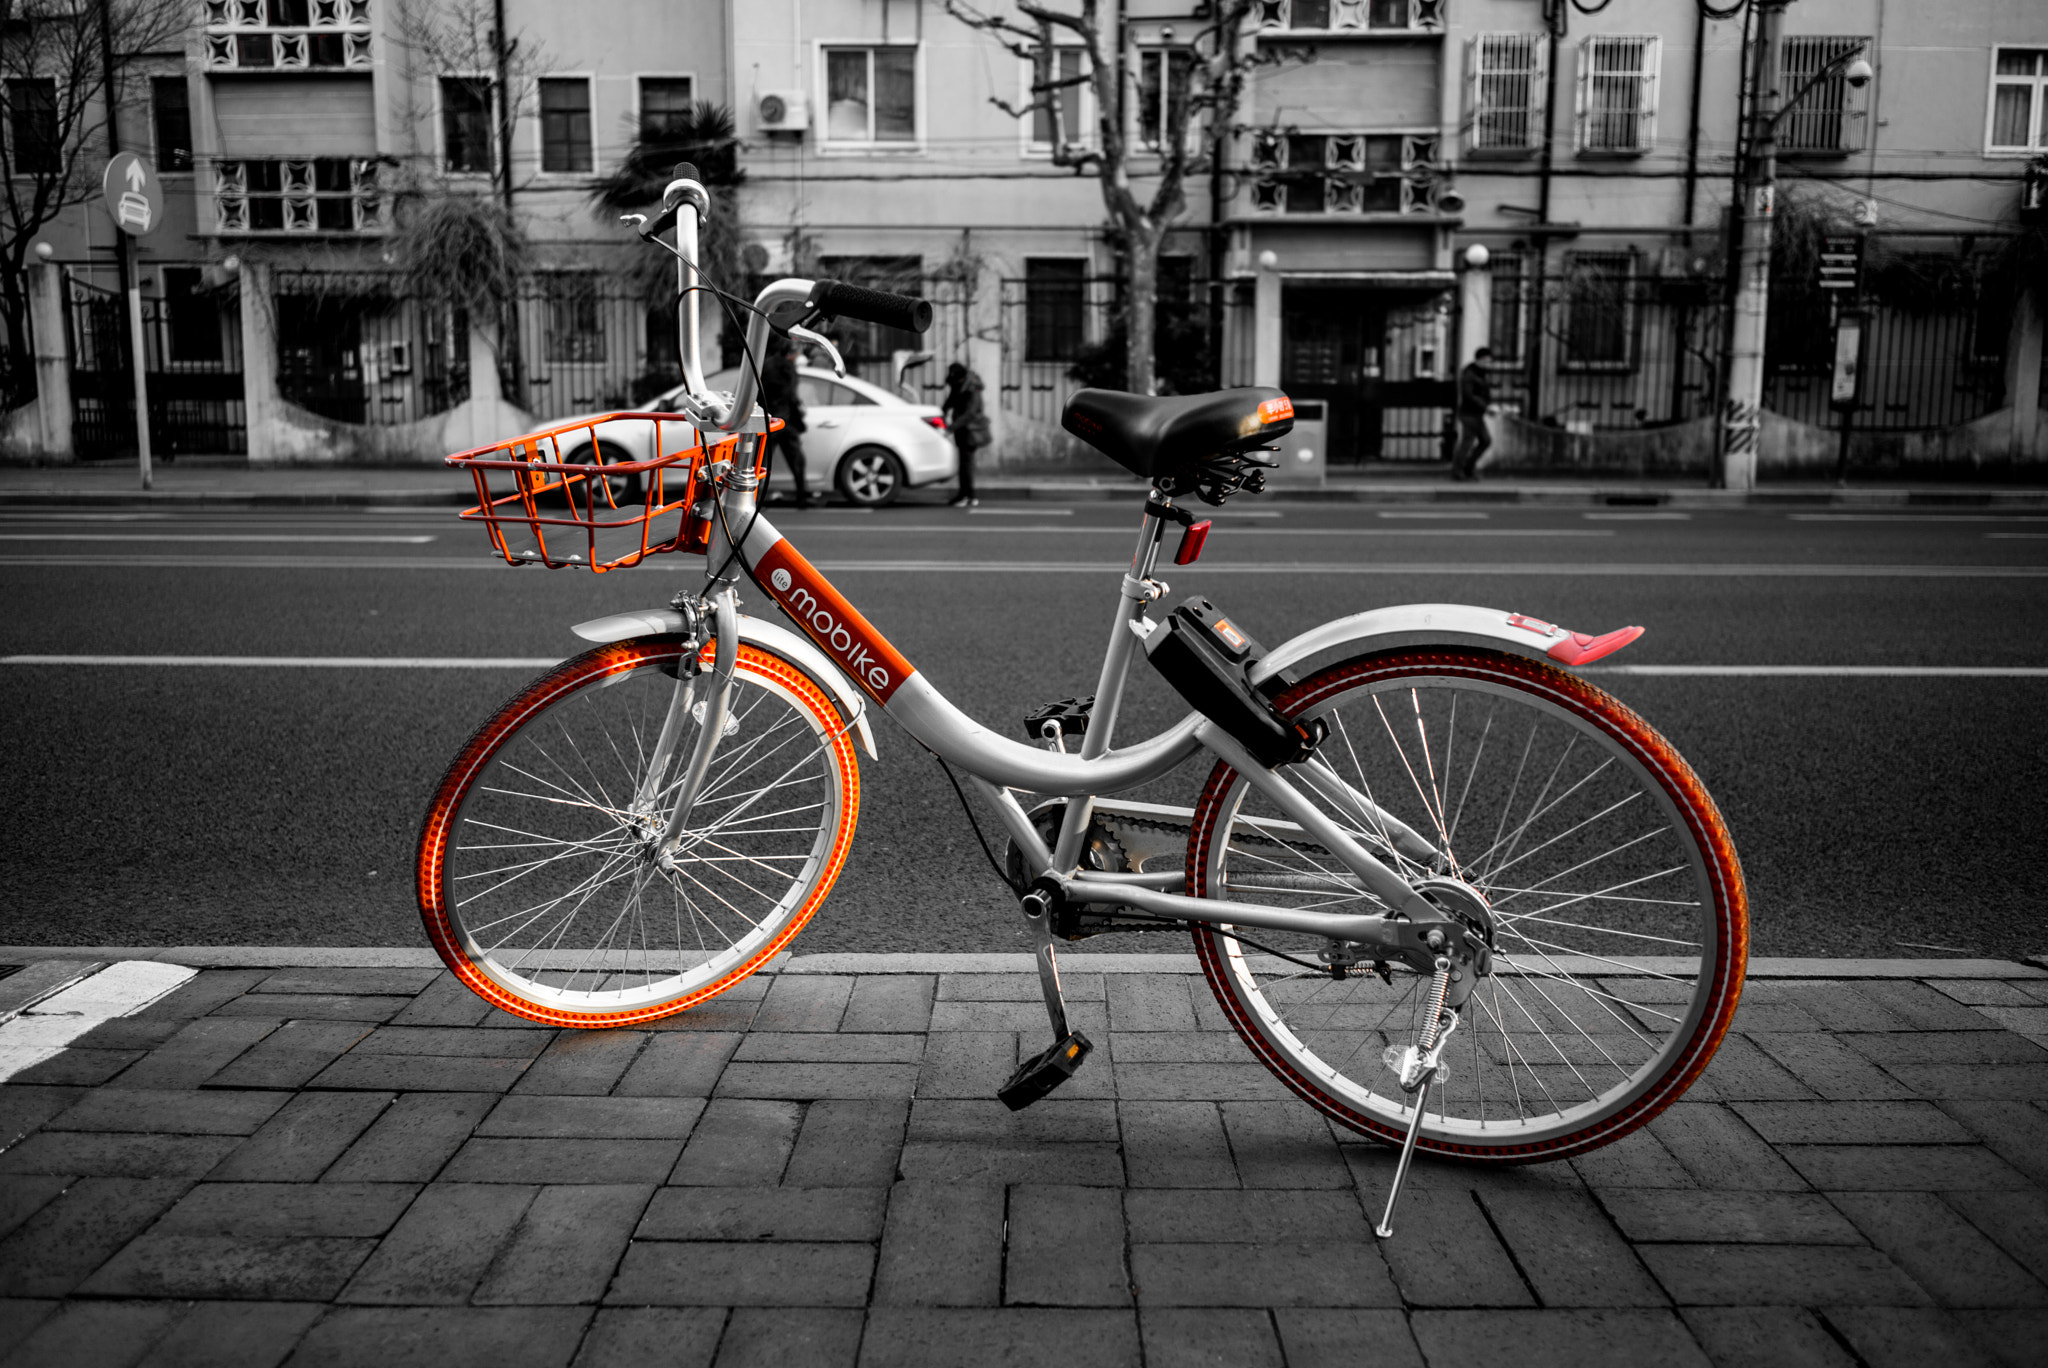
(828,619)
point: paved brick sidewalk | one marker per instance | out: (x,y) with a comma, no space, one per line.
(362,1165)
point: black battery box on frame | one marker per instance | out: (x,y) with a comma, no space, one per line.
(1208,660)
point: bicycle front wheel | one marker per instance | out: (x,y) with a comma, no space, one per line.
(1620,922)
(545,881)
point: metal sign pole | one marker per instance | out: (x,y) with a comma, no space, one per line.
(139,359)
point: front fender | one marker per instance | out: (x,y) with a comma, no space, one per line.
(767,635)
(1444,624)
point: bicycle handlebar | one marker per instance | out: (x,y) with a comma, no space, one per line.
(907,312)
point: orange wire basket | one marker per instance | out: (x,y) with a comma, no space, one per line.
(541,508)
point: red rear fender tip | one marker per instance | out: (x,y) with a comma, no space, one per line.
(1578,649)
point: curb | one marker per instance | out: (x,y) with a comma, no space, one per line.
(1077,961)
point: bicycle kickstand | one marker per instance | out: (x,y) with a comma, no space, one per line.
(1417,1068)
(1057,1063)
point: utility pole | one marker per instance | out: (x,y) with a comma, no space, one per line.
(1742,412)
(131,289)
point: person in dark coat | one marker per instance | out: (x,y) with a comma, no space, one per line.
(779,396)
(1475,396)
(967,420)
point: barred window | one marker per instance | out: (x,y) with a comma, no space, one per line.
(1508,319)
(1617,93)
(575,320)
(1506,73)
(1599,324)
(1055,323)
(1829,116)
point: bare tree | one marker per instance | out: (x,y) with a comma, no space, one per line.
(53,80)
(1202,82)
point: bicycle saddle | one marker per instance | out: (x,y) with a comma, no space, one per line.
(1160,436)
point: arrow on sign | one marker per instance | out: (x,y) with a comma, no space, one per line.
(137,177)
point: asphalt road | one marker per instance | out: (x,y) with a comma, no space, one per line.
(1875,814)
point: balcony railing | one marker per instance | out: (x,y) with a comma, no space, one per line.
(287,35)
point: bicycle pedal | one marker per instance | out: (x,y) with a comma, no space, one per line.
(1044,1071)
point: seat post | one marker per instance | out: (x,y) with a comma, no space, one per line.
(1109,687)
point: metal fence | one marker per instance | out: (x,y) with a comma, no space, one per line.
(192,360)
(1921,369)
(353,347)
(1603,350)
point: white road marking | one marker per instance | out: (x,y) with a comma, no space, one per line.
(1826,671)
(1916,517)
(694,565)
(2017,536)
(48,1026)
(1432,515)
(549,662)
(1020,512)
(1637,517)
(211,537)
(300,662)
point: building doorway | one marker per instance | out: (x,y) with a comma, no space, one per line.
(1376,358)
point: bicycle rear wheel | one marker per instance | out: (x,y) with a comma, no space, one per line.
(1620,917)
(543,882)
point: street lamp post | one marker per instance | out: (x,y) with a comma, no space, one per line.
(1742,411)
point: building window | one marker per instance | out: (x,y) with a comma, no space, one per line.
(871,95)
(1506,73)
(1338,15)
(32,125)
(319,195)
(1344,173)
(1055,319)
(170,107)
(1617,94)
(466,125)
(1599,325)
(1828,117)
(564,124)
(1165,78)
(666,104)
(287,35)
(2019,100)
(1076,101)
(575,320)
(1508,318)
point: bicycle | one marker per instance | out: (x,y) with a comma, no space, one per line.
(1455,897)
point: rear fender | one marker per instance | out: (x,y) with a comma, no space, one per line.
(1445,624)
(767,635)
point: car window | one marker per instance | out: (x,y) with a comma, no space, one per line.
(817,393)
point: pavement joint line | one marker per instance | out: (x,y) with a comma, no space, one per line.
(838,962)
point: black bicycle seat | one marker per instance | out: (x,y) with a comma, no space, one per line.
(1162,436)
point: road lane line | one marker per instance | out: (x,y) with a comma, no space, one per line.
(1824,671)
(1020,512)
(1433,515)
(548,662)
(45,1028)
(1917,517)
(141,536)
(2017,536)
(299,662)
(1637,517)
(694,565)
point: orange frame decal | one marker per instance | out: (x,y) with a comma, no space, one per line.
(828,619)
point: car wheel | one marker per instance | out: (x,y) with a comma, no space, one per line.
(625,488)
(870,476)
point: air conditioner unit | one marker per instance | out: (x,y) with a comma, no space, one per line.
(782,111)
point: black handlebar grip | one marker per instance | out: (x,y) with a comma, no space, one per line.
(872,306)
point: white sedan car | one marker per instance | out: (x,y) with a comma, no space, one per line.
(861,439)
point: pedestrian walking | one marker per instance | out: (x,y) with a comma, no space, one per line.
(780,397)
(967,420)
(1475,396)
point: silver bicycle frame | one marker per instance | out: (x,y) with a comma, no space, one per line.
(997,765)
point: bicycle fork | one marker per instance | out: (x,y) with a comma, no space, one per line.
(712,712)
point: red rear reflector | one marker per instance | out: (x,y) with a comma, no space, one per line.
(936,421)
(1191,540)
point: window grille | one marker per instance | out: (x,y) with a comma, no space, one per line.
(1506,72)
(1337,16)
(1617,94)
(1600,308)
(575,320)
(288,35)
(1830,116)
(1508,318)
(314,196)
(1055,318)
(1346,173)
